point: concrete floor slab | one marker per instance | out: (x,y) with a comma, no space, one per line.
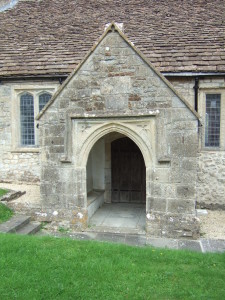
(124,222)
(127,216)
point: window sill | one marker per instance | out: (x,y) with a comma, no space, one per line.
(212,149)
(26,150)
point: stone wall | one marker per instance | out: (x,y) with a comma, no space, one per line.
(211,170)
(24,166)
(185,87)
(16,163)
(211,180)
(116,90)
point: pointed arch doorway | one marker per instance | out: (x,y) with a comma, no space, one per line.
(117,163)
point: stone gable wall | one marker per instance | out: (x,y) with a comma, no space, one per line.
(115,82)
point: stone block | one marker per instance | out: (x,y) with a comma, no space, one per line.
(177,103)
(50,174)
(161,175)
(180,225)
(157,189)
(55,130)
(64,103)
(181,114)
(181,206)
(116,85)
(118,102)
(189,245)
(80,200)
(155,204)
(56,149)
(162,243)
(184,191)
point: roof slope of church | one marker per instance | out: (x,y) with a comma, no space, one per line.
(50,37)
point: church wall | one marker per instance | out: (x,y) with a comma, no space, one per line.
(211,162)
(24,166)
(15,165)
(114,83)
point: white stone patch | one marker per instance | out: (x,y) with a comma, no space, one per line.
(119,25)
(153,112)
(150,217)
(171,219)
(201,212)
(41,214)
(80,215)
(55,213)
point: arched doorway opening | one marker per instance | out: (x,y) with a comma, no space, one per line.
(128,172)
(116,184)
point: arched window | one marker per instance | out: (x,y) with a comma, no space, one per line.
(27,132)
(30,103)
(43,100)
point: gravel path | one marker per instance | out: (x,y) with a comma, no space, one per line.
(32,192)
(212,224)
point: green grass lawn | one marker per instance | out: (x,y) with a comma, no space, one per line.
(5,212)
(59,268)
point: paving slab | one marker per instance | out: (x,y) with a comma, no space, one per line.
(118,222)
(217,245)
(141,240)
(128,216)
(135,240)
(110,237)
(189,245)
(162,243)
(205,245)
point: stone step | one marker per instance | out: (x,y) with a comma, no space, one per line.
(30,228)
(14,224)
(117,230)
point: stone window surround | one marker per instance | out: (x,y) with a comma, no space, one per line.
(202,108)
(35,91)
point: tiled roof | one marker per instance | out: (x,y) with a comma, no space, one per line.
(50,37)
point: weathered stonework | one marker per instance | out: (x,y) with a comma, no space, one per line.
(17,164)
(211,180)
(116,91)
(211,171)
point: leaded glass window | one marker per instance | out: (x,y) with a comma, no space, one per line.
(212,126)
(43,100)
(27,120)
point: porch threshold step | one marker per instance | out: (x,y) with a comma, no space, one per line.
(14,224)
(106,229)
(30,228)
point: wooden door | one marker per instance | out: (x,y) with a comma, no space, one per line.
(128,172)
